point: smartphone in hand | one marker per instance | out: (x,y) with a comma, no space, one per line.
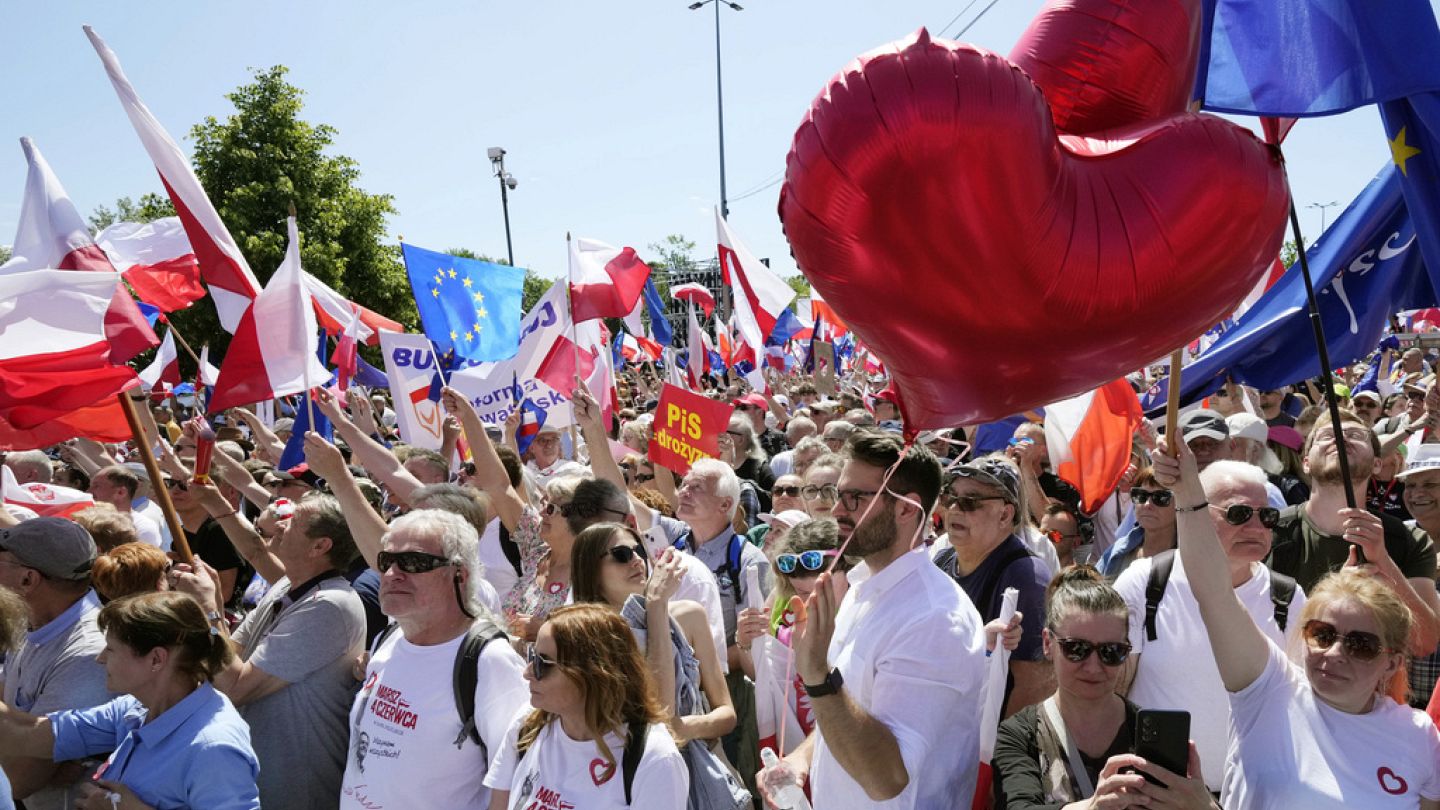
(1163,737)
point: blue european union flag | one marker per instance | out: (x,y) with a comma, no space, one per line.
(1412,125)
(1365,266)
(470,309)
(1299,58)
(659,324)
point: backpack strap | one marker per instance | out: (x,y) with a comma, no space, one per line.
(988,595)
(1282,593)
(634,752)
(381,636)
(1160,567)
(732,566)
(466,678)
(511,549)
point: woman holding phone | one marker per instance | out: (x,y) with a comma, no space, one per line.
(1319,732)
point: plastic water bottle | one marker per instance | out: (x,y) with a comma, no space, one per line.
(788,797)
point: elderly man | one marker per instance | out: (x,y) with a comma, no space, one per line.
(1317,537)
(47,561)
(893,665)
(1366,405)
(117,485)
(296,660)
(31,467)
(1171,663)
(837,432)
(409,746)
(545,462)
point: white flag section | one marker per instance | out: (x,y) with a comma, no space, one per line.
(998,665)
(51,232)
(45,500)
(166,359)
(410,366)
(488,386)
(144,243)
(209,375)
(757,294)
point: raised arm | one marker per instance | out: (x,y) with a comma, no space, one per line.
(367,527)
(490,473)
(1241,650)
(267,445)
(238,531)
(231,472)
(588,414)
(367,452)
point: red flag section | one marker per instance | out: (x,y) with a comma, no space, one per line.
(103,422)
(564,363)
(1089,439)
(605,282)
(156,259)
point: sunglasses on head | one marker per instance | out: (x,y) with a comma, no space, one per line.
(965,503)
(624,554)
(1159,497)
(540,666)
(812,560)
(1111,653)
(410,562)
(1238,514)
(1358,644)
(786,492)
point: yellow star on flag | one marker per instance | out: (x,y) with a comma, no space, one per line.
(479,297)
(1400,152)
(477,327)
(453,334)
(452,272)
(435,291)
(468,282)
(469,336)
(481,312)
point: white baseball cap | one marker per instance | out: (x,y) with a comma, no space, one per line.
(1427,457)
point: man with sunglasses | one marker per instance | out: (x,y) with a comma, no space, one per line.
(1322,534)
(754,407)
(417,753)
(1171,664)
(893,665)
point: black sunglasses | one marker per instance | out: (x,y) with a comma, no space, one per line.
(171,483)
(965,503)
(624,554)
(1111,653)
(1159,497)
(1358,644)
(641,478)
(539,665)
(1238,514)
(786,492)
(410,562)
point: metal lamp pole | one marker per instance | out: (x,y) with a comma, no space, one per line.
(507,183)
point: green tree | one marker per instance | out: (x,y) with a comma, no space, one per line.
(800,285)
(535,285)
(673,254)
(258,162)
(149,207)
(4,253)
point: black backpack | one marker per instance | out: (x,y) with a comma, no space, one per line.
(465,677)
(1282,592)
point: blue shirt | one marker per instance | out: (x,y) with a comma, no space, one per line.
(1119,550)
(194,756)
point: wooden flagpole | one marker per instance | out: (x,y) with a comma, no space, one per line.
(157,481)
(1172,402)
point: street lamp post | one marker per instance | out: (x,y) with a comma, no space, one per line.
(720,119)
(507,184)
(1322,207)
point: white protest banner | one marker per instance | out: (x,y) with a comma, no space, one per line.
(410,366)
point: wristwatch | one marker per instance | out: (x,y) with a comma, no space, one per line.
(829,686)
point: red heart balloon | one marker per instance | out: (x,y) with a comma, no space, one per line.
(996,264)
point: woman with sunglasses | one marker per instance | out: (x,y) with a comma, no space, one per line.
(1154,530)
(1319,732)
(610,567)
(1073,749)
(594,702)
(638,471)
(1170,664)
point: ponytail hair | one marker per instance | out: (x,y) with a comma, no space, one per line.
(171,620)
(1081,589)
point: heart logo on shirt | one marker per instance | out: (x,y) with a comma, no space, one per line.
(1391,782)
(601,771)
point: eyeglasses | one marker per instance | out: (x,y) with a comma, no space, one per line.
(1056,536)
(828,492)
(852,498)
(624,554)
(965,503)
(641,478)
(1159,497)
(1358,644)
(1111,653)
(1238,514)
(787,492)
(1021,442)
(410,562)
(1328,435)
(540,666)
(812,560)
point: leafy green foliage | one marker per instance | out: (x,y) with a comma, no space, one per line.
(149,207)
(535,285)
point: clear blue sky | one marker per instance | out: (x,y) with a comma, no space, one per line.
(607,109)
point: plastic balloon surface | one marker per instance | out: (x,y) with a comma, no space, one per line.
(999,252)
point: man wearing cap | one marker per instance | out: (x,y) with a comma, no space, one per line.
(1366,404)
(1319,536)
(47,562)
(1209,437)
(1419,412)
(118,486)
(545,460)
(1421,477)
(1272,407)
(981,505)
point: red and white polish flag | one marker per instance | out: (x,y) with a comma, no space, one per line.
(45,500)
(156,259)
(758,295)
(605,282)
(165,368)
(223,267)
(1089,438)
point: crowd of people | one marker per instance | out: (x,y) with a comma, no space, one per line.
(566,623)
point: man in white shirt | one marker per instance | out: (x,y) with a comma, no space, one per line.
(895,676)
(408,747)
(118,486)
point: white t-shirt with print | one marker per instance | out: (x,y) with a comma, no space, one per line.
(558,773)
(1290,749)
(1177,670)
(403,726)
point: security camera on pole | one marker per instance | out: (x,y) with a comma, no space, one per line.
(507,184)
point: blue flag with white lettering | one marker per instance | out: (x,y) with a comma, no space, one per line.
(1412,125)
(1299,58)
(1365,267)
(469,309)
